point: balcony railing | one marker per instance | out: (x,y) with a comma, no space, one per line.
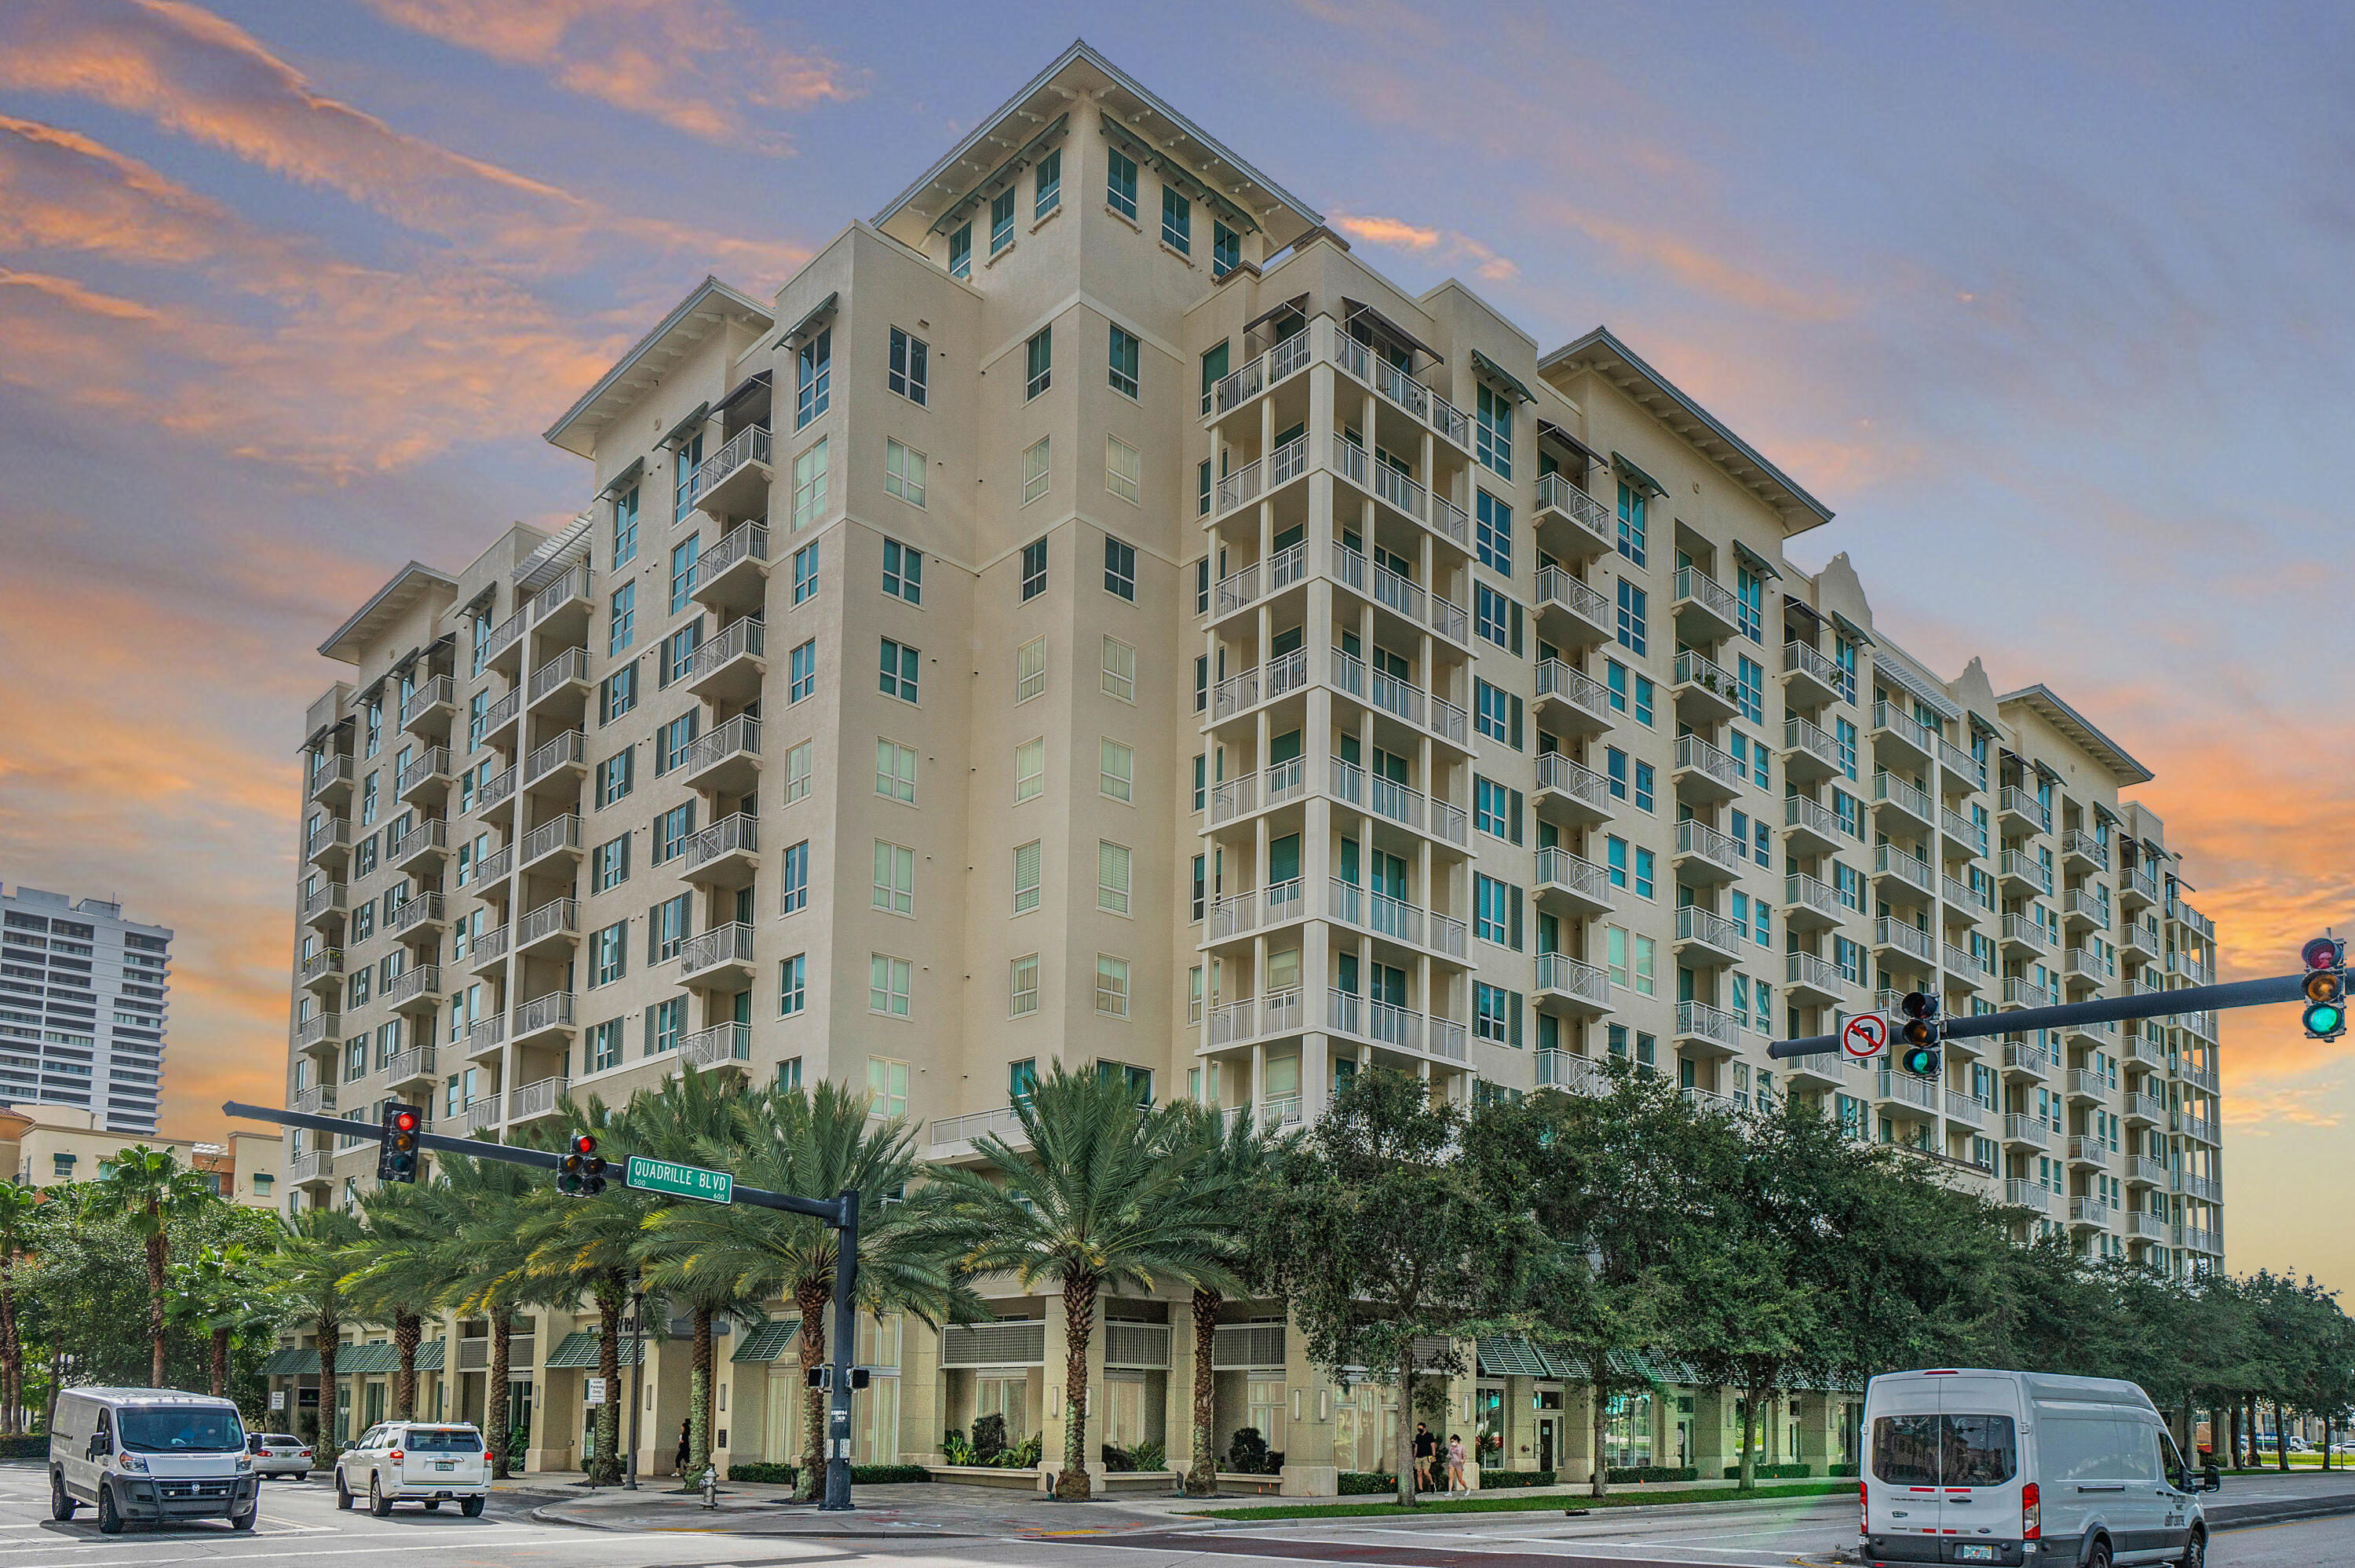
(2089,1211)
(2018,992)
(1280,467)
(536,1098)
(328,772)
(573,585)
(1696,755)
(417,909)
(1696,588)
(1277,1013)
(431,763)
(553,1010)
(1891,720)
(1895,791)
(1396,387)
(1559,775)
(2020,1193)
(332,832)
(404,1066)
(569,748)
(1698,838)
(1695,923)
(568,668)
(1558,868)
(721,945)
(557,833)
(1399,1028)
(1971,835)
(1002,1122)
(316,1099)
(557,915)
(2017,802)
(1698,670)
(1557,493)
(1906,1089)
(324,964)
(427,837)
(1808,740)
(1581,691)
(1963,961)
(2085,846)
(2025,867)
(1572,1073)
(1699,1021)
(495,790)
(1560,972)
(1287,358)
(1814,817)
(2019,929)
(1803,892)
(1888,931)
(413,985)
(1557,586)
(750,444)
(1819,974)
(2028,1130)
(718,1045)
(736,834)
(1813,664)
(1890,860)
(1959,762)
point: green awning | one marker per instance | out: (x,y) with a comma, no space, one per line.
(1495,371)
(291,1361)
(769,1340)
(1641,480)
(1511,1355)
(579,1348)
(430,1353)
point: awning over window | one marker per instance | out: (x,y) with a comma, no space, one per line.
(579,1348)
(1352,310)
(1549,431)
(1856,633)
(769,1340)
(1296,305)
(1483,364)
(291,1361)
(808,327)
(680,432)
(1902,670)
(756,382)
(1636,476)
(624,480)
(1758,563)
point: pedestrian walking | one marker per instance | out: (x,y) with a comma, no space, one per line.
(1426,1447)
(1456,1481)
(683,1446)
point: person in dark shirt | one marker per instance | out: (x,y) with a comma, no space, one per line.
(1425,1448)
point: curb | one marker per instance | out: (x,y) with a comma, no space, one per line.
(2284,1511)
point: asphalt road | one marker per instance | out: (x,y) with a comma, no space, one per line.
(301,1528)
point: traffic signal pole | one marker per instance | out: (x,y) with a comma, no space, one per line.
(2101,1009)
(840,1214)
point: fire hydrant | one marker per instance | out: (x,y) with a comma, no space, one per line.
(710,1486)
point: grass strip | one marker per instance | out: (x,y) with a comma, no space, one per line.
(1548,1502)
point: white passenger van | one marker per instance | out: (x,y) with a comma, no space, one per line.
(152,1454)
(2013,1469)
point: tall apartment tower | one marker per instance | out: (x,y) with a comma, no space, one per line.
(83,994)
(1196,658)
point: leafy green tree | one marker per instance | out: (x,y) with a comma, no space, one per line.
(151,1190)
(314,1275)
(228,1293)
(1108,1196)
(24,1227)
(400,1263)
(1387,1242)
(481,1206)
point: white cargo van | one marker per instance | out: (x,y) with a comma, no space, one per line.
(150,1453)
(2012,1468)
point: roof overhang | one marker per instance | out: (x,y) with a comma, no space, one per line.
(1605,355)
(2079,731)
(1080,72)
(387,605)
(1916,680)
(708,306)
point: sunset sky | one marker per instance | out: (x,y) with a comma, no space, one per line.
(2051,309)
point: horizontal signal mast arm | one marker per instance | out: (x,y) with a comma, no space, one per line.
(2101,1009)
(828,1209)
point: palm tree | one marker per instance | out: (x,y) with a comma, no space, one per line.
(400,1263)
(228,1292)
(22,1223)
(818,1145)
(1236,1157)
(315,1274)
(480,1206)
(1108,1196)
(150,1189)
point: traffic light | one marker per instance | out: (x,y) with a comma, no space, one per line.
(1918,1035)
(582,1173)
(822,1378)
(396,1149)
(2325,987)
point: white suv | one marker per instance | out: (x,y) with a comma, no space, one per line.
(430,1462)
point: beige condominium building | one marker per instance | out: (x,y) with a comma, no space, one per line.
(1091,615)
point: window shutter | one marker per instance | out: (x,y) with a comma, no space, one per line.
(654,924)
(1513,1017)
(1513,814)
(1513,622)
(1514,899)
(1513,726)
(650,1032)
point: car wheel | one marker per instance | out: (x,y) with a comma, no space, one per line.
(62,1502)
(302,1474)
(470,1507)
(381,1505)
(2099,1557)
(110,1522)
(343,1490)
(245,1521)
(2195,1550)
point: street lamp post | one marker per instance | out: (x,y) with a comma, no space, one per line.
(638,1327)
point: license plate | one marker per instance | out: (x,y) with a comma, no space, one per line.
(445,1463)
(1974,1553)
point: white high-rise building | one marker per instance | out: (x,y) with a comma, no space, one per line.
(81,1007)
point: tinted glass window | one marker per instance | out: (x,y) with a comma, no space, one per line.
(444,1440)
(1905,1450)
(1979,1450)
(280,1440)
(167,1429)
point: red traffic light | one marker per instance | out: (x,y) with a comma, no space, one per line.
(583,1143)
(2322,953)
(404,1122)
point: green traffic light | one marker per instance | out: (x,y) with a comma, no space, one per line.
(2325,1018)
(1921,1062)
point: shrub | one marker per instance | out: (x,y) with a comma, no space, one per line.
(1839,1469)
(1026,1457)
(1366,1483)
(1771,1472)
(30,1446)
(1116,1460)
(955,1449)
(1516,1479)
(1637,1474)
(989,1438)
(860,1474)
(769,1475)
(1149,1457)
(1247,1452)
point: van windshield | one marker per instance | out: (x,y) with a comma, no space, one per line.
(444,1440)
(1943,1450)
(179,1429)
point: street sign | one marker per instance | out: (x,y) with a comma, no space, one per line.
(596,1394)
(678,1180)
(1865,1036)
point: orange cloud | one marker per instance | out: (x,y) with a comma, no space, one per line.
(1701,270)
(693,65)
(1396,234)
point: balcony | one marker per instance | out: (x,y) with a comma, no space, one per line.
(732,576)
(1968,836)
(1707,610)
(2034,1061)
(1706,695)
(1809,755)
(2018,992)
(1569,700)
(1252,793)
(1811,828)
(1254,909)
(2082,851)
(2102,1036)
(322,974)
(728,760)
(2206,1189)
(2148,1109)
(557,840)
(735,479)
(1964,966)
(536,1099)
(1901,876)
(1959,765)
(1571,523)
(499,720)
(2137,886)
(1394,386)
(2019,814)
(413,1065)
(328,842)
(1704,855)
(556,767)
(554,927)
(427,776)
(1262,476)
(718,959)
(2083,907)
(2023,1194)
(1570,614)
(1905,1089)
(1891,934)
(1710,1028)
(318,1030)
(420,849)
(560,612)
(425,712)
(708,1050)
(562,683)
(486,1041)
(481,1114)
(2026,1131)
(325,908)
(1582,987)
(331,780)
(489,950)
(416,992)
(1396,1028)
(1810,980)
(1398,803)
(2138,940)
(1896,733)
(1809,903)
(2021,872)
(2200,1128)
(1705,774)
(494,801)
(1895,797)
(1813,678)
(2088,1213)
(543,1021)
(1400,494)
(2023,938)
(503,646)
(1401,595)
(1962,1108)
(725,854)
(1583,795)
(317,1100)
(1255,1018)
(420,916)
(1566,883)
(728,670)
(2090,966)
(1406,923)
(311,1168)
(957,1134)
(1706,939)
(491,872)
(2200,925)
(1572,1073)
(1967,902)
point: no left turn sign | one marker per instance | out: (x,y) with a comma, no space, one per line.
(1865,1035)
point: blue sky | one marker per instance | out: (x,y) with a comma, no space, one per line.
(2046,305)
